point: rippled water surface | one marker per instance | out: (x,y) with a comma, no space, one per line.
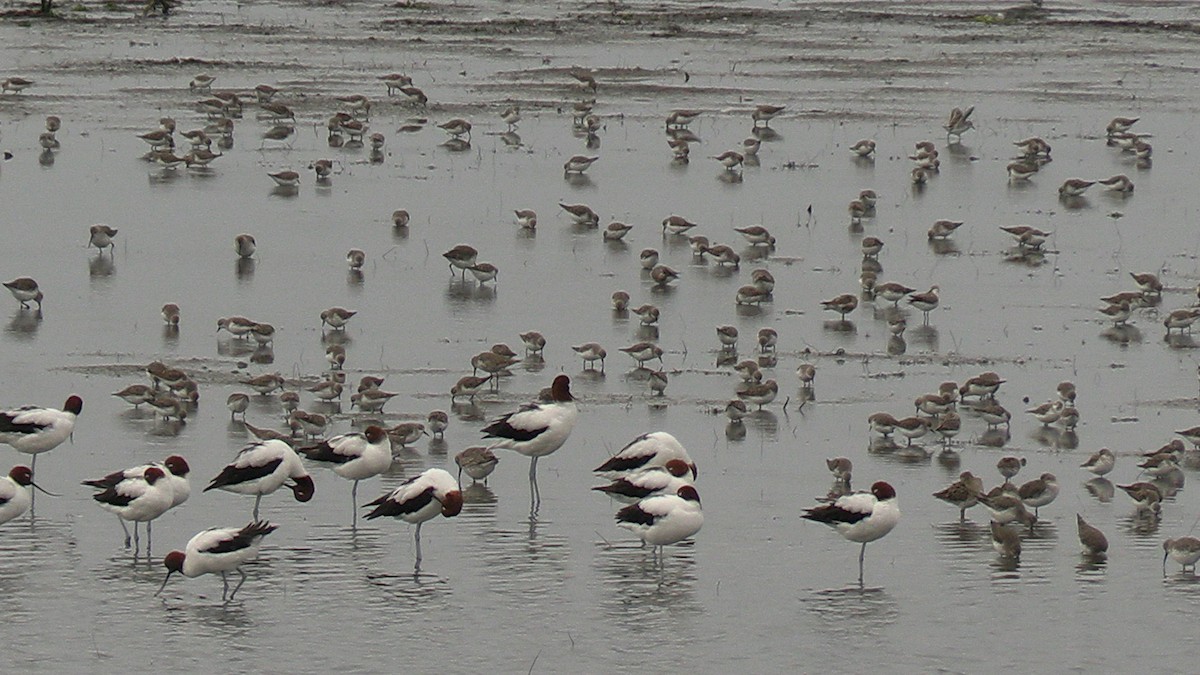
(759,589)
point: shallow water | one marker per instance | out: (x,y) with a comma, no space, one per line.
(570,591)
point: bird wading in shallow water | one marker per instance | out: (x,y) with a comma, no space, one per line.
(537,429)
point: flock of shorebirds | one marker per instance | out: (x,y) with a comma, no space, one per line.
(653,474)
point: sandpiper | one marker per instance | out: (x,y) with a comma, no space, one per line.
(591,352)
(767,339)
(456,127)
(841,468)
(25,290)
(893,292)
(807,374)
(1010,466)
(751,295)
(484,272)
(15,85)
(926,302)
(285,178)
(1147,283)
(942,229)
(616,231)
(730,159)
(1101,462)
(1091,538)
(759,393)
(765,113)
(1117,313)
(1027,236)
(526,219)
(1146,496)
(1074,187)
(578,164)
(680,148)
(863,148)
(963,493)
(1005,540)
(842,304)
(756,234)
(1047,413)
(511,116)
(857,211)
(727,336)
(1184,550)
(462,257)
(681,118)
(395,81)
(1021,170)
(959,122)
(582,214)
(763,280)
(1039,492)
(1120,125)
(1118,183)
(336,318)
(643,352)
(415,95)
(648,314)
(468,386)
(663,275)
(674,224)
(723,254)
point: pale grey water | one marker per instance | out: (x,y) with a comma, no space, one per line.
(759,590)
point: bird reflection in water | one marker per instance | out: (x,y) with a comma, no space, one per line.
(25,323)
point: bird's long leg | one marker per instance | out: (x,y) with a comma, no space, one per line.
(256,501)
(861,554)
(535,494)
(137,544)
(224,587)
(417,567)
(239,584)
(354,506)
(149,538)
(126,529)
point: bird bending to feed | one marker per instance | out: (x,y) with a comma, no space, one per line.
(419,499)
(25,290)
(537,429)
(664,519)
(861,517)
(1005,541)
(1091,538)
(1184,550)
(217,551)
(14,493)
(477,461)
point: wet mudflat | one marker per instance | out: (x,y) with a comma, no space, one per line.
(568,590)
